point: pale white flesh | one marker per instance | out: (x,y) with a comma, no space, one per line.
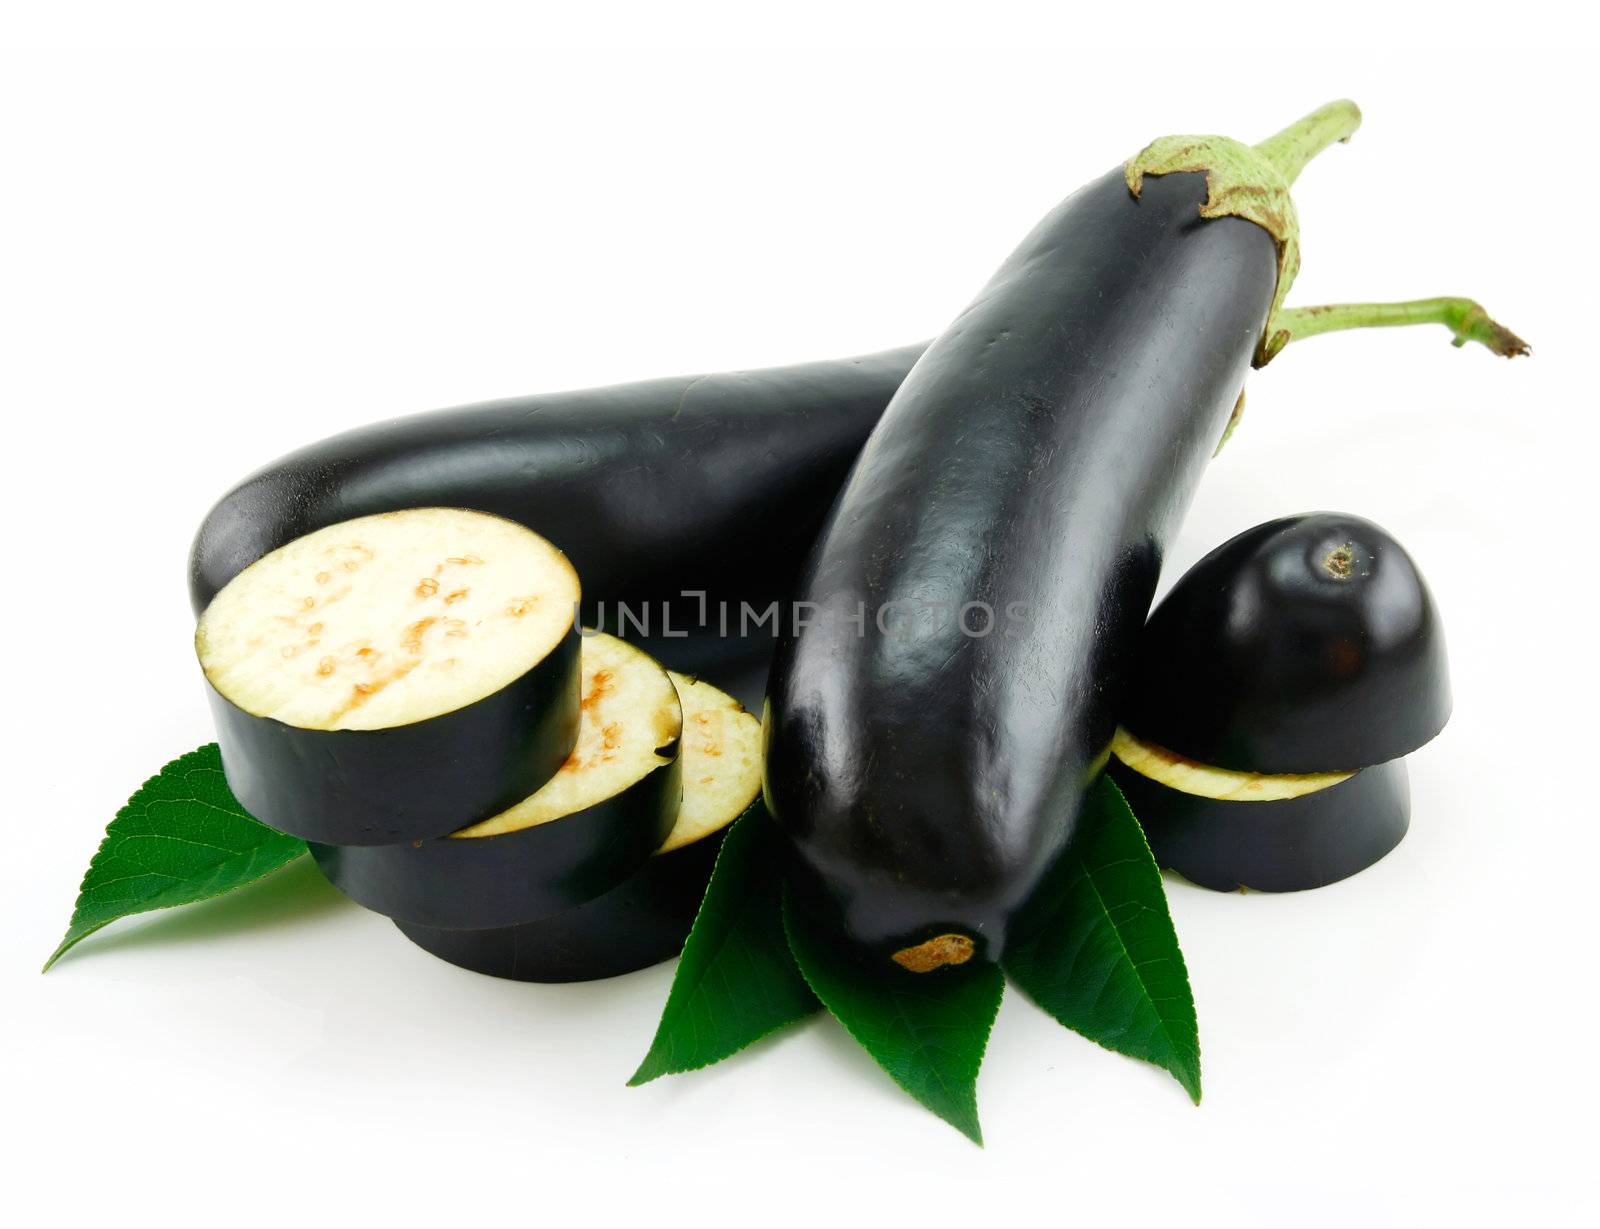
(387,620)
(1208,781)
(630,713)
(721,762)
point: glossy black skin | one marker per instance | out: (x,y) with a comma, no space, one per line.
(1285,846)
(640,922)
(1039,454)
(410,782)
(475,882)
(1268,656)
(716,483)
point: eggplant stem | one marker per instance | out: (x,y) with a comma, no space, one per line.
(1290,150)
(1465,318)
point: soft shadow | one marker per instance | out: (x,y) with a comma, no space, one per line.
(289,897)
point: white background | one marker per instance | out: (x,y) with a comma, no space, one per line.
(229,230)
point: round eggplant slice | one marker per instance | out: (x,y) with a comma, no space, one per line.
(1271,833)
(394,677)
(593,824)
(1304,644)
(645,919)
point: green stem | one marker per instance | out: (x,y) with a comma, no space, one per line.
(1463,317)
(1303,140)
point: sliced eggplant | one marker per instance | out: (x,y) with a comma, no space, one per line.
(1228,830)
(591,825)
(645,919)
(1305,644)
(394,677)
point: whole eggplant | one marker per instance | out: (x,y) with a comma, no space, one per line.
(1010,513)
(713,483)
(951,677)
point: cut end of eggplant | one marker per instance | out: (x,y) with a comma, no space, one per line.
(387,620)
(1188,776)
(721,762)
(630,725)
(1305,644)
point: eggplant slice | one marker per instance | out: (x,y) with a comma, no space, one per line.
(591,825)
(394,677)
(645,919)
(1228,830)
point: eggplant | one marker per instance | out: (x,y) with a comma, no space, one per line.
(1269,833)
(1279,686)
(394,677)
(645,919)
(641,922)
(713,485)
(590,826)
(973,606)
(1306,644)
(1025,477)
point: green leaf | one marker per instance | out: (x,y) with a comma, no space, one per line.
(927,1030)
(182,838)
(736,981)
(1096,949)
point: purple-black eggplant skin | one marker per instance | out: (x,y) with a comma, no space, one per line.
(640,922)
(514,877)
(1306,644)
(1036,460)
(407,782)
(715,483)
(1289,845)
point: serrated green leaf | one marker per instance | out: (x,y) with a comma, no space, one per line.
(736,981)
(1096,949)
(181,838)
(927,1030)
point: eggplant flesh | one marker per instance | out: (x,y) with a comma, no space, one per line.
(1027,475)
(1305,644)
(394,677)
(1307,840)
(588,828)
(713,485)
(645,919)
(1190,776)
